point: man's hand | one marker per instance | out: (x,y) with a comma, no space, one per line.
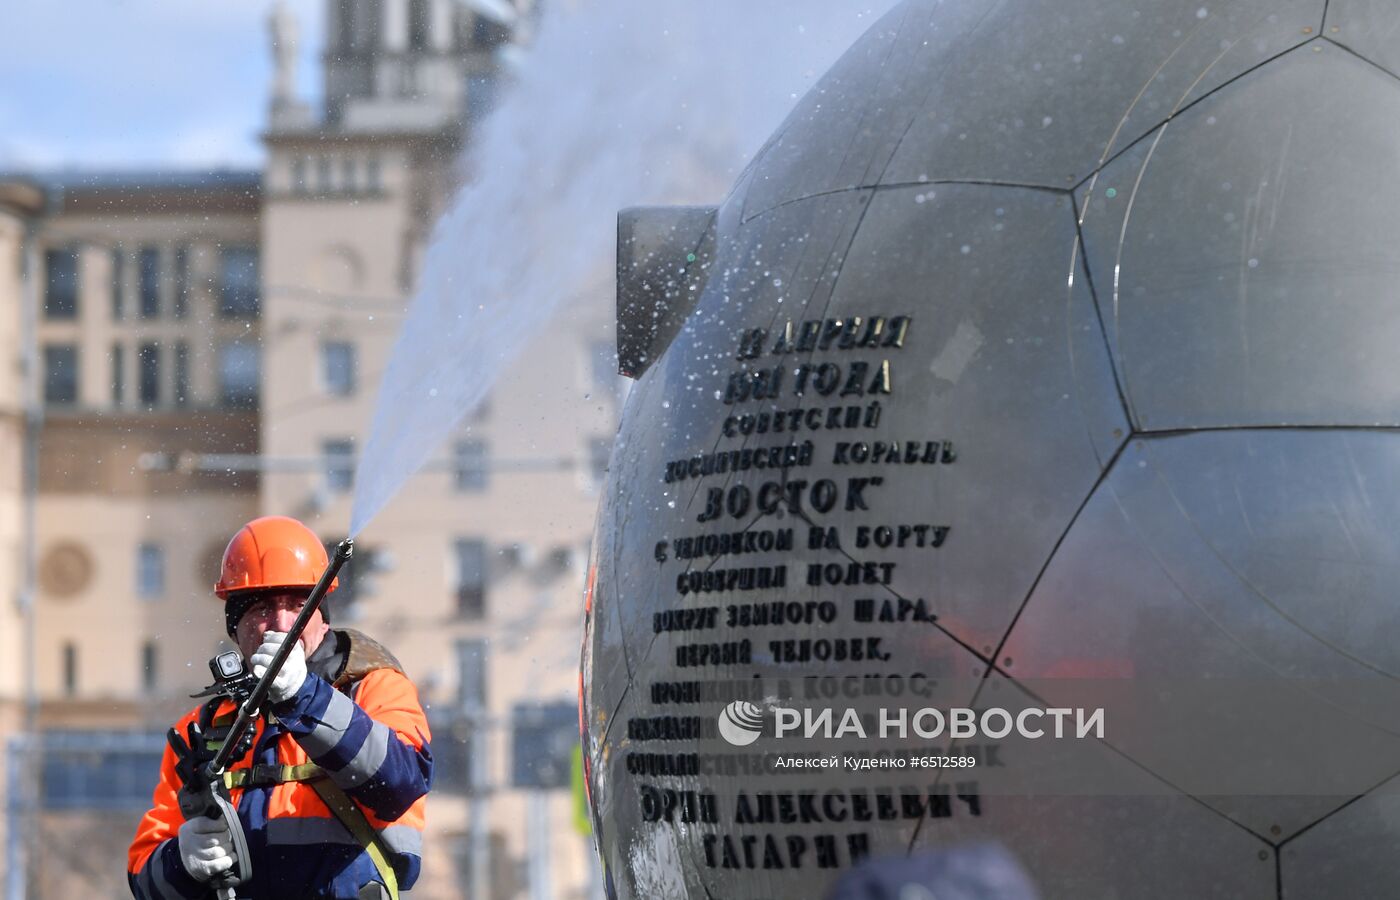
(288,681)
(206,848)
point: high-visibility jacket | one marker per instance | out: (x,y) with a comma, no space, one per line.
(370,738)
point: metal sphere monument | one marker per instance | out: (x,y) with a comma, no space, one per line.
(1043,344)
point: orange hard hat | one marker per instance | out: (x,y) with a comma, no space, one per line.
(272,552)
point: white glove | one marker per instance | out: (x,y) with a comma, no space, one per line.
(206,848)
(288,681)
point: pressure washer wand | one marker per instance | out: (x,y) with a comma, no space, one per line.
(250,708)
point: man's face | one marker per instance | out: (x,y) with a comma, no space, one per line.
(277,612)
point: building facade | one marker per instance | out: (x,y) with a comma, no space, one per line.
(206,348)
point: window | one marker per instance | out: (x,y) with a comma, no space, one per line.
(87,770)
(182,281)
(118,375)
(345,23)
(61,284)
(70,668)
(118,283)
(182,374)
(471,672)
(150,672)
(60,374)
(372,175)
(239,365)
(148,282)
(238,283)
(299,175)
(347,174)
(323,174)
(418,21)
(150,571)
(338,367)
(148,373)
(469,466)
(339,459)
(599,449)
(470,576)
(367,16)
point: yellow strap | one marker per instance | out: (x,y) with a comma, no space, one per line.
(304,772)
(352,818)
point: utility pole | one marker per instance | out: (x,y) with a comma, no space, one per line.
(16,763)
(25,758)
(478,780)
(537,830)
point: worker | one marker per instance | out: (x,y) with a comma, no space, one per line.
(331,792)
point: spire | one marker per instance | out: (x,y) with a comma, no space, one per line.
(284,108)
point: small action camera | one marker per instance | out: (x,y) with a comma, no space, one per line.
(226,665)
(232,677)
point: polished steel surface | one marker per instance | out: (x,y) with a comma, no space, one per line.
(1032,92)
(1258,288)
(1045,348)
(1242,556)
(1349,854)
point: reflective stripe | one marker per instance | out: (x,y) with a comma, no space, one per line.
(146,883)
(366,762)
(155,869)
(339,713)
(301,831)
(403,839)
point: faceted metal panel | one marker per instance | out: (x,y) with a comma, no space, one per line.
(1350,853)
(760,274)
(1245,557)
(1367,27)
(1043,92)
(1244,254)
(1030,92)
(843,132)
(1009,368)
(1149,843)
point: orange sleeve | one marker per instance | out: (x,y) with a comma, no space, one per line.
(391,698)
(163,820)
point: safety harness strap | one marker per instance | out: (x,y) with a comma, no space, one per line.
(352,818)
(267,775)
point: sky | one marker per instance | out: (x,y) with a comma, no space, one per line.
(136,83)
